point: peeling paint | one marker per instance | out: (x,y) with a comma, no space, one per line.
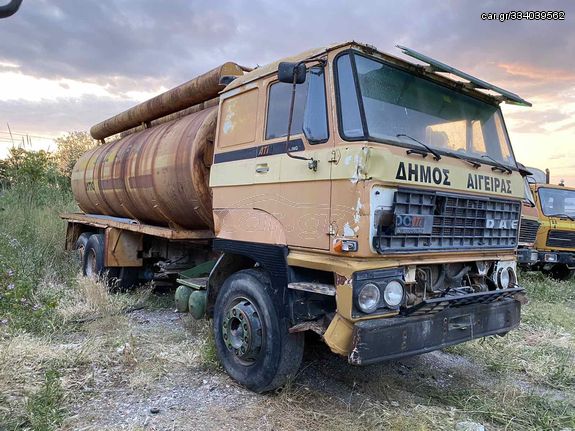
(228,126)
(348,231)
(360,165)
(358,207)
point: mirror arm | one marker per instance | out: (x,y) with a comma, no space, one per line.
(312,163)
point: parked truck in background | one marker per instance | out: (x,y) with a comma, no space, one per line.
(527,254)
(343,191)
(555,241)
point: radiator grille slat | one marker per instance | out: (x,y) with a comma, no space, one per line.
(528,230)
(459,222)
(561,238)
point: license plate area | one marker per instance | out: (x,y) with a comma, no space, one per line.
(460,323)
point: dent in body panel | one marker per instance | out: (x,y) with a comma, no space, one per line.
(251,225)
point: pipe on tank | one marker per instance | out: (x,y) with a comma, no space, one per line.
(193,92)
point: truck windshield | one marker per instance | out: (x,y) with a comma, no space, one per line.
(393,106)
(557,202)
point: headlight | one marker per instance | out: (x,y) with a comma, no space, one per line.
(504,278)
(393,293)
(550,257)
(368,298)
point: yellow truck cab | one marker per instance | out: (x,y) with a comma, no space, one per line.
(352,193)
(555,240)
(527,254)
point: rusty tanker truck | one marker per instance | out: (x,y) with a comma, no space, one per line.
(344,191)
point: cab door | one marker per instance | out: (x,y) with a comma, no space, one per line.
(295,177)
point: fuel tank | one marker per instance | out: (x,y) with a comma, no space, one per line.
(158,175)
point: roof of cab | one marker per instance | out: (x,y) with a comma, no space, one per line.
(271,68)
(311,54)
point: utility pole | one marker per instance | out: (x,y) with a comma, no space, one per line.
(10,131)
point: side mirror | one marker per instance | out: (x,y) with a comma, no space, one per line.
(523,170)
(287,71)
(10,9)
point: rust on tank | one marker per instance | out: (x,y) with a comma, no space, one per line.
(193,92)
(158,175)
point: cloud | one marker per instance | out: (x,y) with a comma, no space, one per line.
(52,117)
(538,73)
(131,47)
(539,121)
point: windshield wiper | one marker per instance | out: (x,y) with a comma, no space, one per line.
(562,215)
(436,155)
(476,165)
(498,166)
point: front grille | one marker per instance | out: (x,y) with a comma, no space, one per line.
(561,238)
(459,222)
(528,231)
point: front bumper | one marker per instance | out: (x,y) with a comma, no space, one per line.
(554,257)
(384,339)
(527,256)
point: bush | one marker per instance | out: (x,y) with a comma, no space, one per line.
(31,168)
(32,255)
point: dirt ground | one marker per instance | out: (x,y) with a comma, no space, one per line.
(162,380)
(133,363)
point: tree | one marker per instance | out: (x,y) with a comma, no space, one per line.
(70,148)
(31,167)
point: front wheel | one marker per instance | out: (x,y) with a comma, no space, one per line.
(251,333)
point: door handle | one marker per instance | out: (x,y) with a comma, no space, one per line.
(262,168)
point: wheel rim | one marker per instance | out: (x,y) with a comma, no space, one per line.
(81,251)
(91,264)
(242,330)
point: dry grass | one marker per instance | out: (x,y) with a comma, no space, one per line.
(88,306)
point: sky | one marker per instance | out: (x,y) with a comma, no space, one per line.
(68,64)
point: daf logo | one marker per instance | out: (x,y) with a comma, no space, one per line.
(500,224)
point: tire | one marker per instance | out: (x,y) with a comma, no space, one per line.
(561,272)
(93,260)
(123,279)
(245,310)
(80,246)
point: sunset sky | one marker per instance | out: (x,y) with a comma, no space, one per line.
(67,64)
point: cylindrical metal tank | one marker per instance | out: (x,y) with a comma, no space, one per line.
(159,175)
(197,90)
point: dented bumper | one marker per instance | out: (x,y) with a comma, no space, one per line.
(384,339)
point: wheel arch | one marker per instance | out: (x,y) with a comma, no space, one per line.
(238,255)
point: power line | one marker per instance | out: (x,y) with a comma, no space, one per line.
(13,134)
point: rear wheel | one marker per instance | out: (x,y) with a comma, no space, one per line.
(93,259)
(251,333)
(117,278)
(80,245)
(123,278)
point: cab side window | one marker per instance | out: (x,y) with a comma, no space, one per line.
(310,111)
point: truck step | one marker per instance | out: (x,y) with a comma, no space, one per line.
(321,288)
(199,283)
